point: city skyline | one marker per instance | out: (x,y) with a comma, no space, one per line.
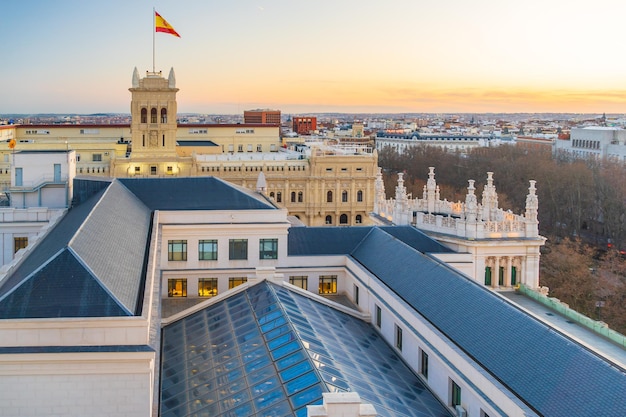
(355,57)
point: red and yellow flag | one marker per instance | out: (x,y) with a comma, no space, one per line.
(161,25)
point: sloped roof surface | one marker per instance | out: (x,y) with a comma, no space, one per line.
(551,373)
(194,193)
(196,143)
(113,224)
(265,352)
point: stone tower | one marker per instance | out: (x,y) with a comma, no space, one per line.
(153,114)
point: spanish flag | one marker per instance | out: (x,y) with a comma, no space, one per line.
(161,25)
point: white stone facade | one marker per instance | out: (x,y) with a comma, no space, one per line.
(504,247)
(594,142)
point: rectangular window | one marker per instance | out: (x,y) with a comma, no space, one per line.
(153,170)
(379,317)
(176,250)
(268,249)
(237,249)
(235,281)
(328,284)
(170,170)
(259,148)
(19,243)
(177,287)
(299,281)
(239,148)
(207,287)
(207,250)
(137,170)
(96,157)
(356,294)
(398,337)
(424,363)
(455,394)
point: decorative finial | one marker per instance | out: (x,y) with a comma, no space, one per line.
(171,79)
(135,82)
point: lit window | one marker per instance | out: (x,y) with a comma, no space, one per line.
(299,281)
(235,281)
(268,249)
(398,337)
(177,287)
(176,250)
(19,243)
(207,250)
(455,394)
(328,284)
(379,317)
(237,249)
(207,287)
(96,157)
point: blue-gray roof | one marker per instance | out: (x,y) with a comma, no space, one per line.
(196,143)
(266,352)
(305,241)
(550,373)
(69,273)
(194,193)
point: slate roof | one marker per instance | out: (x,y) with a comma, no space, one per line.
(194,193)
(69,273)
(196,143)
(549,372)
(307,241)
(265,352)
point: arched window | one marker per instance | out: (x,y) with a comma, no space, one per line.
(358,219)
(344,196)
(144,115)
(343,219)
(163,115)
(329,197)
(279,197)
(359,196)
(300,197)
(329,220)
(153,115)
(293,196)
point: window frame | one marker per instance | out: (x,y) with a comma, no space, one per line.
(171,246)
(455,394)
(236,253)
(300,281)
(236,281)
(378,316)
(423,364)
(398,337)
(212,291)
(207,255)
(272,252)
(171,287)
(330,281)
(19,242)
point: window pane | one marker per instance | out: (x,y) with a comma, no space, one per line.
(207,287)
(207,250)
(19,243)
(328,284)
(235,281)
(176,250)
(238,249)
(177,287)
(299,281)
(268,249)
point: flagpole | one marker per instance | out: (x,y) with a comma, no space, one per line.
(153,37)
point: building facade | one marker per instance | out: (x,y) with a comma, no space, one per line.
(304,125)
(593,142)
(155,146)
(262,116)
(504,247)
(202,298)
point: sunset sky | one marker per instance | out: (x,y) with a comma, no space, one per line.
(395,56)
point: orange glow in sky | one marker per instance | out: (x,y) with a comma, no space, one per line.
(349,56)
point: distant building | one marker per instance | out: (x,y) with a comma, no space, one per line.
(456,143)
(262,116)
(597,142)
(304,125)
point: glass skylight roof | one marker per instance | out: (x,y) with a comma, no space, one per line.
(270,352)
